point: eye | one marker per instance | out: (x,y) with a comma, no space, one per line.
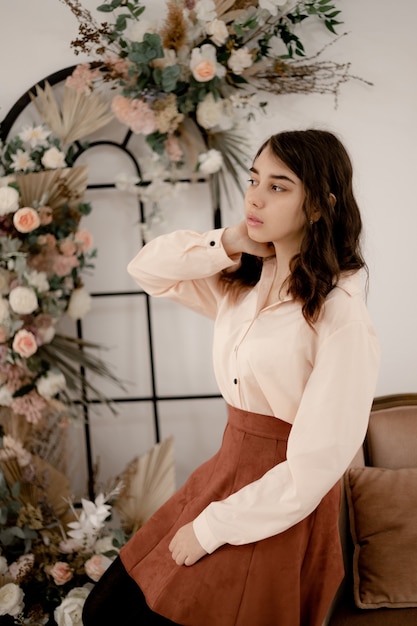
(251,182)
(277,188)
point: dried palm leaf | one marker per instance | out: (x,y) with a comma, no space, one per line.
(80,114)
(148,482)
(54,187)
(47,485)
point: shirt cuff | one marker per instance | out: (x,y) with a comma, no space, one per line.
(204,535)
(213,240)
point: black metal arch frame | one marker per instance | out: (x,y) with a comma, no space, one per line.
(5,128)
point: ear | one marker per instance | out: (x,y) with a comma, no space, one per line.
(315,216)
(332,199)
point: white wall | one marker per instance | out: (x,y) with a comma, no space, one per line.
(379,127)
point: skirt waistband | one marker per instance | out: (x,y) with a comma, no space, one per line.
(258,424)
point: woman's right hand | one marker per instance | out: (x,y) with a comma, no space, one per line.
(236,240)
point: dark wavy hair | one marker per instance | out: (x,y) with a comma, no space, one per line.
(331,244)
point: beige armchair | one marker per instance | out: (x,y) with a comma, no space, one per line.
(379,505)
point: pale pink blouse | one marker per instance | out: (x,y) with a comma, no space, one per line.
(269,360)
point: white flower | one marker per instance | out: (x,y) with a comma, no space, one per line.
(137,29)
(23,300)
(46,334)
(210,162)
(213,113)
(3,565)
(13,449)
(51,384)
(271,5)
(126,182)
(9,200)
(79,303)
(21,161)
(240,60)
(4,311)
(105,544)
(38,280)
(217,31)
(69,612)
(90,521)
(205,10)
(11,599)
(34,135)
(53,159)
(6,397)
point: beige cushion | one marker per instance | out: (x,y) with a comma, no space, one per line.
(383,521)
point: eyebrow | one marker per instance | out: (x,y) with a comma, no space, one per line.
(274,176)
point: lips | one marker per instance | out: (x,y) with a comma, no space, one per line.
(252,220)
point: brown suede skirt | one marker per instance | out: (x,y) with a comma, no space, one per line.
(289,579)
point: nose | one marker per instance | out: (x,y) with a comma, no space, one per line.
(255,197)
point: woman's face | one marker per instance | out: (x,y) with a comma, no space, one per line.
(274,204)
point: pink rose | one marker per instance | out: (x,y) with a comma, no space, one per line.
(96,566)
(26,219)
(204,71)
(24,343)
(61,573)
(84,239)
(67,247)
(62,265)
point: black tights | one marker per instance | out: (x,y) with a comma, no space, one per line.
(117,599)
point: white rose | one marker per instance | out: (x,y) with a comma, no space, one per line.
(205,10)
(23,300)
(240,60)
(11,599)
(6,397)
(51,384)
(79,303)
(210,162)
(9,200)
(137,29)
(271,5)
(212,113)
(4,311)
(69,612)
(53,159)
(217,31)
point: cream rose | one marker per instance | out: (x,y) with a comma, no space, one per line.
(53,159)
(271,5)
(51,384)
(213,113)
(96,566)
(79,303)
(9,200)
(203,63)
(24,343)
(217,31)
(11,599)
(61,572)
(26,219)
(69,612)
(210,162)
(240,60)
(23,300)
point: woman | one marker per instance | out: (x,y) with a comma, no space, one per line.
(252,538)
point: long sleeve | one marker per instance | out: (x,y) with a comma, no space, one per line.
(184,266)
(328,429)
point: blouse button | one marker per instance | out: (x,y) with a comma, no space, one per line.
(235,381)
(212,243)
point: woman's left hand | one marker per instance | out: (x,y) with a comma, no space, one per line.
(184,547)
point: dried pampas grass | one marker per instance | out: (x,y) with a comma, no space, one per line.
(80,114)
(148,481)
